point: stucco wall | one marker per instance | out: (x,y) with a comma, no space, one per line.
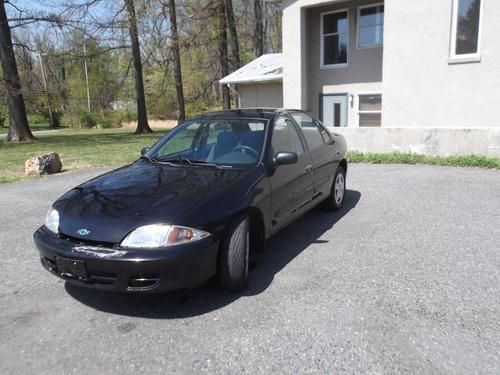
(268,95)
(420,87)
(300,90)
(438,141)
(363,73)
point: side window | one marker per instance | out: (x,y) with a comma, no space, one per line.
(465,31)
(334,38)
(285,137)
(327,138)
(309,129)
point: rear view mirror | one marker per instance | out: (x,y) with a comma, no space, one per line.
(284,158)
(144,150)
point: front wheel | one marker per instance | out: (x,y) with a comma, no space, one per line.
(234,254)
(336,199)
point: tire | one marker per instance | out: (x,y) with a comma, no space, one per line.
(234,254)
(337,192)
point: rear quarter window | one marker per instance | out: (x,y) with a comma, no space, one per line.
(309,128)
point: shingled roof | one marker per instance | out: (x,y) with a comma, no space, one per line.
(263,69)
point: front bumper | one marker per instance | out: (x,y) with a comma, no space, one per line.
(130,270)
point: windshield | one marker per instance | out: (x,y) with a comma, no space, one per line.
(216,141)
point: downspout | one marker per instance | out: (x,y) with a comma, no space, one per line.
(235,92)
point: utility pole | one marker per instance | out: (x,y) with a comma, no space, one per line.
(86,75)
(44,79)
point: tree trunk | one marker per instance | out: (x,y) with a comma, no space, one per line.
(19,129)
(142,117)
(177,62)
(235,45)
(259,29)
(226,95)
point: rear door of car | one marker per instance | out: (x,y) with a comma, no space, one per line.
(322,149)
(292,185)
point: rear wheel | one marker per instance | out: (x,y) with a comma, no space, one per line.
(234,254)
(336,199)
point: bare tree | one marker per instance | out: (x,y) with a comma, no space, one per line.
(19,129)
(259,28)
(221,14)
(177,62)
(142,117)
(233,34)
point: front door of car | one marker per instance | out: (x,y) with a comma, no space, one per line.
(292,185)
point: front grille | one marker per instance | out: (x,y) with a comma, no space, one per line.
(103,278)
(80,241)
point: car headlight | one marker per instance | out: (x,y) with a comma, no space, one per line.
(162,235)
(52,220)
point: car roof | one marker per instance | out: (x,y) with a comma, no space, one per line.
(264,113)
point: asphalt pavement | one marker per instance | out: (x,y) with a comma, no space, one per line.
(405,279)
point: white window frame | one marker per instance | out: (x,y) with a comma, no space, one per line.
(322,41)
(470,57)
(359,112)
(358,26)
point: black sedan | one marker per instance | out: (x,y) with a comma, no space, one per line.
(196,203)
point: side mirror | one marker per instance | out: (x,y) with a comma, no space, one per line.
(144,150)
(284,158)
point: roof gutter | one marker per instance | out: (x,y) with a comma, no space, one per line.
(235,92)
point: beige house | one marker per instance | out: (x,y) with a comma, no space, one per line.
(397,75)
(259,83)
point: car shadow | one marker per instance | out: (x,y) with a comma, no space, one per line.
(281,250)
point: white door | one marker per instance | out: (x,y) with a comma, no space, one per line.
(333,110)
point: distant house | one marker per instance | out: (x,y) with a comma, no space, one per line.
(396,75)
(258,84)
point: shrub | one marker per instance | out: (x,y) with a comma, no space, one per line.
(38,119)
(127,116)
(105,122)
(195,108)
(57,118)
(88,119)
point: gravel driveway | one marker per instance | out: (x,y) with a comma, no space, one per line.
(405,279)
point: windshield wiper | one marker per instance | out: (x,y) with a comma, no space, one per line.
(195,162)
(180,160)
(187,161)
(150,159)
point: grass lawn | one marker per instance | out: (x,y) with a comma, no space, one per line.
(100,148)
(79,149)
(402,158)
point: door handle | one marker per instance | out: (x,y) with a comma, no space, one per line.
(309,168)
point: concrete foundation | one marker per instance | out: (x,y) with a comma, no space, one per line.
(436,141)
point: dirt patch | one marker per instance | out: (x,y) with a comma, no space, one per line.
(154,124)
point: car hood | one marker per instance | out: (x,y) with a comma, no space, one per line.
(107,208)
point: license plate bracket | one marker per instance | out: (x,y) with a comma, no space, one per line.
(70,268)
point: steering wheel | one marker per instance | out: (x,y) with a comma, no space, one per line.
(244,148)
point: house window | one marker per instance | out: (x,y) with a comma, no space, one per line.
(334,38)
(370,110)
(466,26)
(371,26)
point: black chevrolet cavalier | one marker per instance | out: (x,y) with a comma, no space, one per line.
(196,203)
